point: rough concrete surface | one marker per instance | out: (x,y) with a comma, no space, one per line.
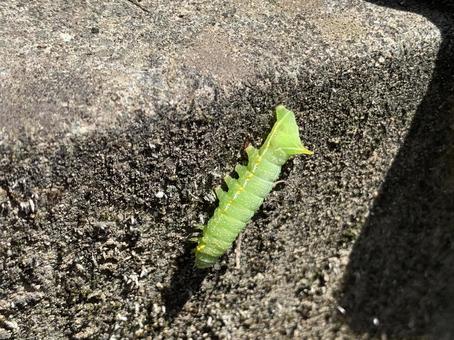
(118,118)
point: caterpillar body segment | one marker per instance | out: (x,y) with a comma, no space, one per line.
(246,194)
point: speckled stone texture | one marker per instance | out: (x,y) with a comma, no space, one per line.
(118,118)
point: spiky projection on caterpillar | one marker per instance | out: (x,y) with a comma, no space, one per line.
(246,194)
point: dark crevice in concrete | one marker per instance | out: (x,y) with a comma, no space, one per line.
(400,278)
(142,8)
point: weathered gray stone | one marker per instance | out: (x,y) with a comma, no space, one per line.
(117,118)
(77,66)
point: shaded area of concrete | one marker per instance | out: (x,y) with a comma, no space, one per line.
(400,278)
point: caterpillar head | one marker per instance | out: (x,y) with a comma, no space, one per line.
(285,134)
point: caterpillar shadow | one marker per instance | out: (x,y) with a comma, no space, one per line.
(186,281)
(400,277)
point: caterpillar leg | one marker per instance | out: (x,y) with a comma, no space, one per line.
(241,170)
(194,239)
(199,227)
(251,151)
(229,181)
(219,193)
(196,235)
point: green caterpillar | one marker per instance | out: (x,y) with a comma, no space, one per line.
(246,194)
